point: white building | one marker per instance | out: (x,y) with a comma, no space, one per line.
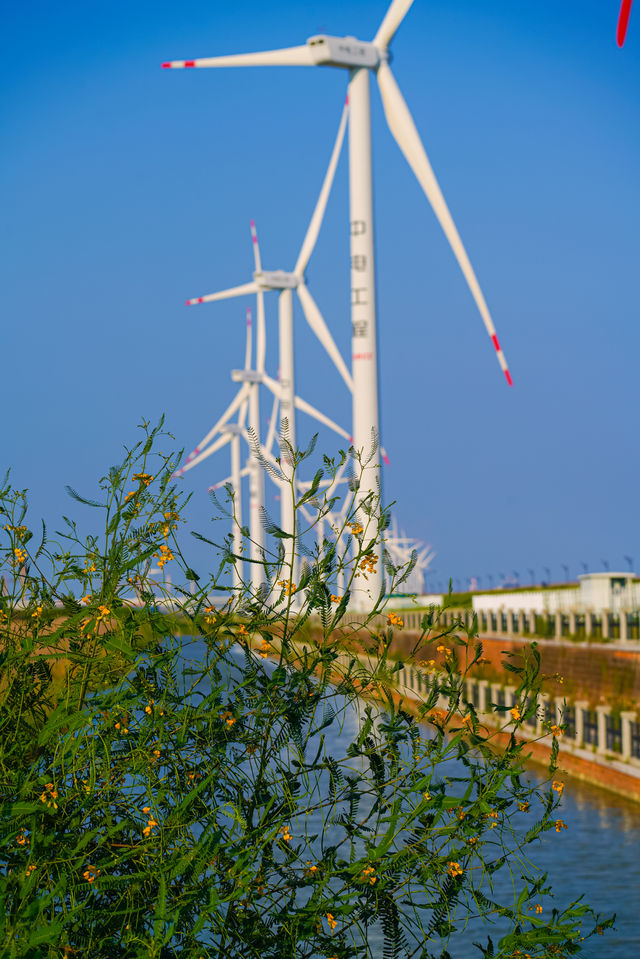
(593,592)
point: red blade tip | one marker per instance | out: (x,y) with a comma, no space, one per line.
(623,21)
(508,376)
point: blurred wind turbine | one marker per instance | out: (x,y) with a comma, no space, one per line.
(360,58)
(247,399)
(401,548)
(285,282)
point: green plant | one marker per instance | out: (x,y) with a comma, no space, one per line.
(201,795)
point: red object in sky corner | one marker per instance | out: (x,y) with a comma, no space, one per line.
(623,21)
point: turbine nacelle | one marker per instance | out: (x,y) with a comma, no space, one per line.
(276,280)
(247,376)
(347,52)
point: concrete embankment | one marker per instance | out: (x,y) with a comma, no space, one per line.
(593,689)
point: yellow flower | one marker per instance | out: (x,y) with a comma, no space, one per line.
(146,809)
(558,786)
(335,599)
(332,922)
(86,599)
(560,825)
(556,731)
(264,649)
(37,613)
(288,587)
(142,478)
(515,712)
(441,649)
(472,840)
(49,796)
(91,873)
(454,869)
(368,875)
(228,718)
(286,835)
(523,806)
(30,869)
(22,839)
(538,908)
(395,620)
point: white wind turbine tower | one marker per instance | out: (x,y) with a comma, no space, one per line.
(224,432)
(360,58)
(246,399)
(284,283)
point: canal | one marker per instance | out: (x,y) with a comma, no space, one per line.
(598,856)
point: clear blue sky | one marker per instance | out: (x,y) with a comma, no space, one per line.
(127,189)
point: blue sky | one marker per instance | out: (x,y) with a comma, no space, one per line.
(127,189)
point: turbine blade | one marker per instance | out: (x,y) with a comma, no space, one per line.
(321,330)
(256,247)
(228,479)
(273,424)
(247,350)
(240,396)
(261,335)
(392,20)
(271,385)
(219,443)
(225,294)
(242,415)
(623,21)
(289,57)
(404,131)
(318,214)
(310,410)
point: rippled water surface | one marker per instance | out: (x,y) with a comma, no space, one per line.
(598,856)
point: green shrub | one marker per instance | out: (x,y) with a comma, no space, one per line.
(167,795)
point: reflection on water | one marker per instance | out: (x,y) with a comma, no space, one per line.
(598,857)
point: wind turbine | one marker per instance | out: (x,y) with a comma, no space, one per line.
(247,399)
(285,282)
(400,548)
(361,58)
(224,432)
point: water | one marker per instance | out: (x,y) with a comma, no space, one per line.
(598,856)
